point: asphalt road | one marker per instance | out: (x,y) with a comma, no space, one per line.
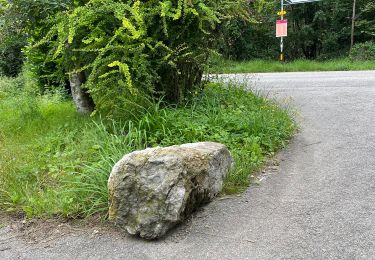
(318,204)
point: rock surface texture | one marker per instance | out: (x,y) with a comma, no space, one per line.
(150,191)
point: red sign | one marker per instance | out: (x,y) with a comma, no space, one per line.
(281,28)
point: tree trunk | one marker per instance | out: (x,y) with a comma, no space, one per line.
(82,99)
(353,25)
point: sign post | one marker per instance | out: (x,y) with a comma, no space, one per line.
(281,30)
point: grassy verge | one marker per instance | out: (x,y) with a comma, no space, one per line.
(54,162)
(254,66)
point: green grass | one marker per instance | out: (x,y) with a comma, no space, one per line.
(54,162)
(257,66)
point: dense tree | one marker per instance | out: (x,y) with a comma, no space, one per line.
(365,22)
(316,30)
(251,38)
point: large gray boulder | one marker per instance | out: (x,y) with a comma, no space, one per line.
(150,191)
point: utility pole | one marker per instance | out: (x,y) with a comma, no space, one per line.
(353,25)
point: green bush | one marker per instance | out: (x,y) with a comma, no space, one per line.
(132,50)
(363,51)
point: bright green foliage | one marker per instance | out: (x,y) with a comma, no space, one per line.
(63,160)
(132,49)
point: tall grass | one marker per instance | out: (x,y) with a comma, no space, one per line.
(54,162)
(220,65)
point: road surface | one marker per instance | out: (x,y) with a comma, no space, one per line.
(318,204)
